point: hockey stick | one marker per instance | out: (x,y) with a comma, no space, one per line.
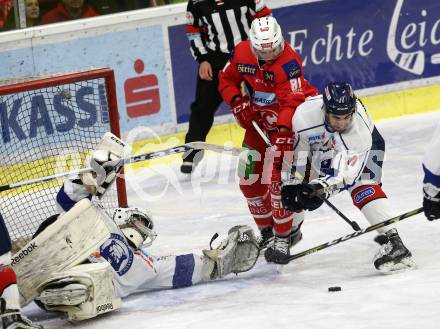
(353,224)
(134,159)
(356,234)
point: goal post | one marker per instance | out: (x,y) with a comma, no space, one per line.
(49,125)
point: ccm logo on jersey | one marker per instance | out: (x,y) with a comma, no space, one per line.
(284,140)
(23,254)
(104,307)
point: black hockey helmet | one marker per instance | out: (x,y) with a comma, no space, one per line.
(339,98)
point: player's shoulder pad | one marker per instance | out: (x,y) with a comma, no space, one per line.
(311,104)
(292,69)
(291,66)
(242,49)
(359,136)
(308,114)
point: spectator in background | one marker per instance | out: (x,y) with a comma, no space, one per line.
(69,10)
(104,7)
(5,9)
(32,8)
(213,28)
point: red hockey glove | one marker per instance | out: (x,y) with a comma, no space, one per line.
(244,112)
(282,142)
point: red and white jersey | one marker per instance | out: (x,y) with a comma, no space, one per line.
(276,89)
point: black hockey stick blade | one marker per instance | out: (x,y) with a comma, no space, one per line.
(356,234)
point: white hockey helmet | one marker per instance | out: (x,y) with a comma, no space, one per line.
(266,38)
(137,225)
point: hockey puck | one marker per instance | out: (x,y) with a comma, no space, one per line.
(334,288)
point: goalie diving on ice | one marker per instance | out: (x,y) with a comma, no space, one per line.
(87,259)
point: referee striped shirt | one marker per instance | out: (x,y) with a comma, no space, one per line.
(219,25)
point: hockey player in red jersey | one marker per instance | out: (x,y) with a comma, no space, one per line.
(273,75)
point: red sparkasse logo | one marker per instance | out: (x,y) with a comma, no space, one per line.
(142,95)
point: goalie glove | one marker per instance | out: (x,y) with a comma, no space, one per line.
(237,253)
(106,167)
(106,161)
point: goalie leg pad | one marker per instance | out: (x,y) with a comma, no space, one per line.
(237,253)
(82,292)
(62,245)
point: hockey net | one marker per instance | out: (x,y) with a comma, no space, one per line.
(48,126)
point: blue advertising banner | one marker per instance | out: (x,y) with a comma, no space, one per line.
(137,57)
(369,43)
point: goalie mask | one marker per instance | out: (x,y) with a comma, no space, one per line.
(137,225)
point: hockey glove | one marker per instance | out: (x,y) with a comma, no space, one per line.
(299,197)
(105,167)
(431,204)
(282,142)
(244,112)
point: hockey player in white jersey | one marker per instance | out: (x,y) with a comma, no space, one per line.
(336,135)
(431,180)
(122,265)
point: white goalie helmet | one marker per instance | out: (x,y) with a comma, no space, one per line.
(137,225)
(266,38)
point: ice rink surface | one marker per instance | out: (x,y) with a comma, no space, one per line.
(188,212)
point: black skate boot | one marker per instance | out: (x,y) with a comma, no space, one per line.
(12,319)
(265,238)
(278,252)
(190,160)
(393,255)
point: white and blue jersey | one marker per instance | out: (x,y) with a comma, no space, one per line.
(431,165)
(135,270)
(341,159)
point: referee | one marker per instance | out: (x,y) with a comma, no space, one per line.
(213,28)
